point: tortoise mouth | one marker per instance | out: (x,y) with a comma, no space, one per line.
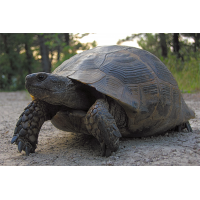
(32,87)
(39,92)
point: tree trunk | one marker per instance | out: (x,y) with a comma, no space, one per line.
(59,47)
(58,53)
(163,44)
(7,50)
(67,38)
(176,45)
(29,55)
(44,51)
(196,41)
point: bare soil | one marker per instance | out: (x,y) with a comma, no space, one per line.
(57,147)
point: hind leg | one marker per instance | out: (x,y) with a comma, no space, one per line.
(180,127)
(101,124)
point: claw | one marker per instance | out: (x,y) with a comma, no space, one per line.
(188,127)
(27,149)
(108,152)
(20,146)
(14,138)
(103,149)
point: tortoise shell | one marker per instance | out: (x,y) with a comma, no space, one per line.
(136,79)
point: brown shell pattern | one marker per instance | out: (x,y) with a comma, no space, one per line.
(123,73)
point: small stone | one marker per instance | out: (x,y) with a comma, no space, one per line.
(110,163)
(189,161)
(164,154)
(195,147)
(188,151)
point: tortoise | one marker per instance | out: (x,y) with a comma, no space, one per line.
(108,92)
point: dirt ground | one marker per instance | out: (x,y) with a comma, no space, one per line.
(57,147)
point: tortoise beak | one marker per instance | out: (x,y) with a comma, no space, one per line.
(34,78)
(28,80)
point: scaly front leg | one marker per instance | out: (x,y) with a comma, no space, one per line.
(29,125)
(101,124)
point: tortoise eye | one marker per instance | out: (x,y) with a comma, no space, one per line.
(41,77)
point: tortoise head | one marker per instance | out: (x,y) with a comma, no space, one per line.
(48,87)
(56,90)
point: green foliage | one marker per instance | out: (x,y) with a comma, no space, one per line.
(151,42)
(20,54)
(13,60)
(68,52)
(185,69)
(186,73)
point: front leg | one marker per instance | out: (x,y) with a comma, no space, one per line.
(29,125)
(101,124)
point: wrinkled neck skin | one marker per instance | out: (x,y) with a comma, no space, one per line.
(58,90)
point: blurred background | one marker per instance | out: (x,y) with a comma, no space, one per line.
(25,53)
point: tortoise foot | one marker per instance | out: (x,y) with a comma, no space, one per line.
(23,145)
(101,124)
(189,128)
(105,151)
(182,126)
(28,127)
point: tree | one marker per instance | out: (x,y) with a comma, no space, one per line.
(8,52)
(151,43)
(163,44)
(10,58)
(29,55)
(25,53)
(196,37)
(44,51)
(176,45)
(66,38)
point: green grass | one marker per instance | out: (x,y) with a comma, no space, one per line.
(186,73)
